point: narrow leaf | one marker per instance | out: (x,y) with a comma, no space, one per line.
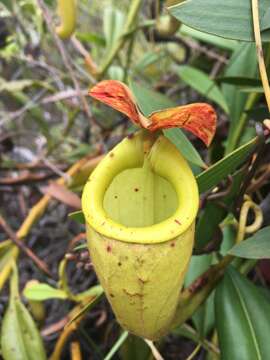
(77,216)
(85,309)
(113,25)
(178,138)
(224,167)
(80,247)
(242,63)
(255,247)
(20,337)
(201,82)
(117,345)
(239,81)
(150,100)
(221,43)
(41,292)
(243,319)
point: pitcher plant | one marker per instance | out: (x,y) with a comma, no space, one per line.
(140,206)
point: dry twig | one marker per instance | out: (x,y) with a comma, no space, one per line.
(61,48)
(13,237)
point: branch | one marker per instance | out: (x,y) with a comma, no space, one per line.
(258,40)
(13,237)
(59,44)
(87,164)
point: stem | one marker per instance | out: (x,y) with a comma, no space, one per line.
(129,55)
(193,296)
(194,353)
(197,338)
(133,11)
(117,345)
(258,40)
(75,351)
(154,350)
(237,133)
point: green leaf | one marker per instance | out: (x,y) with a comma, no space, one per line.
(243,63)
(113,25)
(80,247)
(177,137)
(201,82)
(93,292)
(20,337)
(42,291)
(86,308)
(265,23)
(7,3)
(255,247)
(207,226)
(134,348)
(239,81)
(91,37)
(77,216)
(231,19)
(224,167)
(252,89)
(208,38)
(242,318)
(150,101)
(207,229)
(229,235)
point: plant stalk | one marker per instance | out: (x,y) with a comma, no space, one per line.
(258,40)
(133,12)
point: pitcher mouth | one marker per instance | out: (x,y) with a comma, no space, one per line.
(168,163)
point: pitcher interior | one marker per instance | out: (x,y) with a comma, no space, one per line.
(139,197)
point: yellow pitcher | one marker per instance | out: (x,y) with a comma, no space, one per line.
(140,205)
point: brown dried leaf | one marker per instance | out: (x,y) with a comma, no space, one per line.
(62,194)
